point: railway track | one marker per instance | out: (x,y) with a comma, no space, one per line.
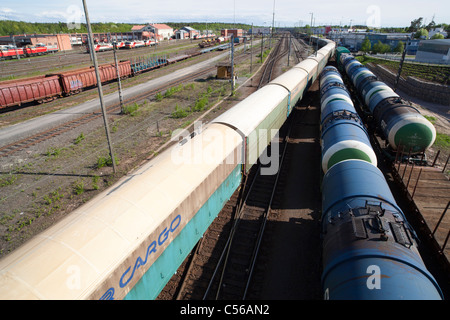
(78,57)
(301,49)
(221,266)
(115,108)
(280,50)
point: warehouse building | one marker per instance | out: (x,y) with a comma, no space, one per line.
(186,33)
(354,40)
(228,32)
(264,31)
(56,41)
(434,51)
(159,31)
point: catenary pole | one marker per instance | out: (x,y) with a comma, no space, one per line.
(99,85)
(119,84)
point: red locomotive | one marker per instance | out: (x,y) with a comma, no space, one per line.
(11,52)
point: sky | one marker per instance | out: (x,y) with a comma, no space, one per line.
(374,13)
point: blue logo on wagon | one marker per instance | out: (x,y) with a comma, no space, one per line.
(127,276)
(76,84)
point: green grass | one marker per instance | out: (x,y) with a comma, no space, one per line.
(105,161)
(442,141)
(430,118)
(179,112)
(131,109)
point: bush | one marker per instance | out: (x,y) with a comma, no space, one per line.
(78,187)
(79,138)
(381,47)
(201,104)
(131,109)
(170,92)
(366,45)
(179,113)
(103,161)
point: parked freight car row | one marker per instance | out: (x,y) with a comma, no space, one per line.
(370,251)
(51,86)
(44,88)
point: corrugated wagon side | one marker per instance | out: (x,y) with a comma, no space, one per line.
(108,71)
(40,88)
(77,80)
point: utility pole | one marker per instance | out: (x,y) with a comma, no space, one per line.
(273,22)
(397,79)
(118,77)
(289,50)
(310,26)
(262,44)
(99,84)
(15,48)
(232,64)
(251,50)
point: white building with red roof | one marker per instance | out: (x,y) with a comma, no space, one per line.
(161,31)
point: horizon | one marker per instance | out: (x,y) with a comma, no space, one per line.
(187,23)
(265,13)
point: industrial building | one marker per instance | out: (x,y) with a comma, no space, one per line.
(228,32)
(159,31)
(186,33)
(60,41)
(354,40)
(434,51)
(264,31)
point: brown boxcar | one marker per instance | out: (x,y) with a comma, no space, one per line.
(40,88)
(76,80)
(108,71)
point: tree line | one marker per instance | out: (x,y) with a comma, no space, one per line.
(8,27)
(380,47)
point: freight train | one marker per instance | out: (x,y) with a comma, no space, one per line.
(51,86)
(401,125)
(128,241)
(370,251)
